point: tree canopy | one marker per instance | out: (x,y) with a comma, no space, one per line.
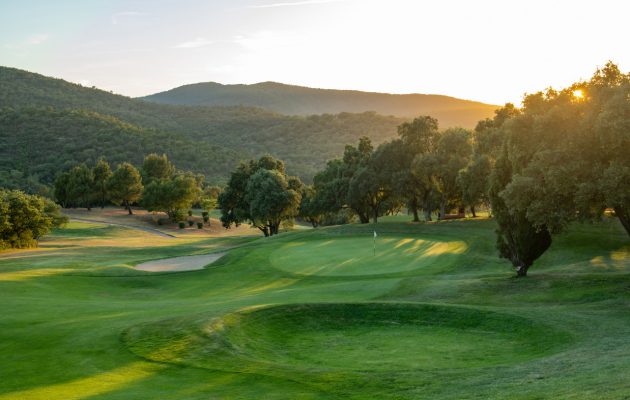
(260,192)
(25,218)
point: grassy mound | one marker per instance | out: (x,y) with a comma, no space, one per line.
(347,336)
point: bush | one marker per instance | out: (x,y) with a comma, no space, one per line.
(182,225)
(176,215)
(204,214)
(206,218)
(341,217)
(191,222)
(25,218)
(199,225)
(190,213)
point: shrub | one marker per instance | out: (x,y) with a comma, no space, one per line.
(25,218)
(199,225)
(182,224)
(191,222)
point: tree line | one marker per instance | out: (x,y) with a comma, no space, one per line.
(158,186)
(561,157)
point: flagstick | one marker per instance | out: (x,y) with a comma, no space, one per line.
(374,242)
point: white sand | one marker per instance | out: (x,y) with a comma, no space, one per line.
(187,263)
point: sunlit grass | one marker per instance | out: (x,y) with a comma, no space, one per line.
(88,387)
(66,306)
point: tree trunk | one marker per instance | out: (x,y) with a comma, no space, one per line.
(363,218)
(624,218)
(413,205)
(442,210)
(375,214)
(128,207)
(521,271)
(427,215)
(264,230)
(416,217)
(472,210)
(275,227)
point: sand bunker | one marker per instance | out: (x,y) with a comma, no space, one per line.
(186,263)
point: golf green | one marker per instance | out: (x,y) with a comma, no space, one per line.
(364,256)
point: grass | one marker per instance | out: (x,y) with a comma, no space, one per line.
(313,314)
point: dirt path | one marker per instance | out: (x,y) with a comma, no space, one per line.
(140,228)
(186,263)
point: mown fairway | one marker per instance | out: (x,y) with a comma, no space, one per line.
(314,315)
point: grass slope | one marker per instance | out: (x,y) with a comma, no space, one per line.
(435,315)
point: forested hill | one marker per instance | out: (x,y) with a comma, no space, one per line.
(48,124)
(38,143)
(298,100)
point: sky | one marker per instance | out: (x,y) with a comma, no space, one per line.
(487,50)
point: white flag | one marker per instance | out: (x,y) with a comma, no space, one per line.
(375,234)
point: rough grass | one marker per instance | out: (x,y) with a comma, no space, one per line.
(314,315)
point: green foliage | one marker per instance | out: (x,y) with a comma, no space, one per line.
(518,239)
(310,209)
(125,185)
(473,181)
(102,172)
(86,124)
(209,198)
(81,187)
(452,153)
(270,199)
(171,195)
(155,167)
(25,218)
(77,136)
(61,189)
(556,180)
(260,193)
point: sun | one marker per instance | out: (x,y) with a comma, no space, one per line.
(578,94)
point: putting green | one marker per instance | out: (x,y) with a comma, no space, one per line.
(356,255)
(358,337)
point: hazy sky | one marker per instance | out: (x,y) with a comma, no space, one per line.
(491,51)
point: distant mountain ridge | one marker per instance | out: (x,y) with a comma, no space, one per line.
(299,100)
(47,125)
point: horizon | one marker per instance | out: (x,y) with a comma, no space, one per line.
(254,84)
(485,54)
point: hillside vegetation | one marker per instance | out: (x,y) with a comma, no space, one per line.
(298,100)
(38,143)
(209,140)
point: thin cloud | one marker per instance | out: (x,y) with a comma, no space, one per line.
(296,3)
(117,17)
(38,39)
(193,44)
(33,40)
